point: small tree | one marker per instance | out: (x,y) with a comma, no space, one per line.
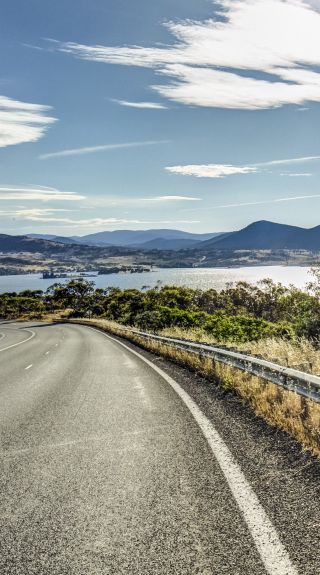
(76,294)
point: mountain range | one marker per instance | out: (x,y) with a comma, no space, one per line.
(161,239)
(262,235)
(260,243)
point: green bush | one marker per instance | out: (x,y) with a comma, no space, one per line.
(239,313)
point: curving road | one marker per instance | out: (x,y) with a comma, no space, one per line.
(109,467)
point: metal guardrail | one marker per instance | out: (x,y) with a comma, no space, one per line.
(304,384)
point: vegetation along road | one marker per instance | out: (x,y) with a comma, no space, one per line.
(117,462)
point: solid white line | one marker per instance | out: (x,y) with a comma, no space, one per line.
(20,342)
(272,552)
(29,366)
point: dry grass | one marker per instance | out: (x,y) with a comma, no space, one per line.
(54,316)
(288,411)
(300,354)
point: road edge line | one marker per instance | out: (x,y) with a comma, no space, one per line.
(272,552)
(33,333)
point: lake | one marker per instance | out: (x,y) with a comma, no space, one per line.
(203,278)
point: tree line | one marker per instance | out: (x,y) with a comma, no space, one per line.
(241,312)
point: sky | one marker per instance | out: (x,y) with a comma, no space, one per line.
(186,114)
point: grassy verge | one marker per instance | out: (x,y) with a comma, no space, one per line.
(299,353)
(288,411)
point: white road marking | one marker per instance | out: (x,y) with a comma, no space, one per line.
(128,362)
(142,392)
(272,552)
(20,342)
(2,335)
(29,366)
(47,352)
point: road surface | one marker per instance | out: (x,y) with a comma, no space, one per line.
(106,469)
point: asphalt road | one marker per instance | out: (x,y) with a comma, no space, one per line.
(107,467)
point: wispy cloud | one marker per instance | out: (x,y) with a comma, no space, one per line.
(141,105)
(223,170)
(210,170)
(165,199)
(31,213)
(103,148)
(293,175)
(260,203)
(214,63)
(22,122)
(37,193)
(112,201)
(301,160)
(275,201)
(32,46)
(96,222)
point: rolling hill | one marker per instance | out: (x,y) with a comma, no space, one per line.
(31,245)
(59,239)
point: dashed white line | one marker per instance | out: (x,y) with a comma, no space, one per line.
(29,366)
(272,552)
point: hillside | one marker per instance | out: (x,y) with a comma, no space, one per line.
(264,235)
(23,254)
(10,244)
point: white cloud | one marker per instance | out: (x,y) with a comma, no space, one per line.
(223,170)
(22,122)
(34,212)
(141,105)
(37,193)
(103,148)
(210,170)
(255,54)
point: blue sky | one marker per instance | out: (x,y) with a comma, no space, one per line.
(187,114)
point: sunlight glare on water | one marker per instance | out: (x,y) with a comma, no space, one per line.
(204,278)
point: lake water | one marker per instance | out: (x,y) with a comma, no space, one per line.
(203,278)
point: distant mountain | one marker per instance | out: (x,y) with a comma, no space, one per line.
(166,244)
(264,235)
(59,239)
(42,236)
(137,237)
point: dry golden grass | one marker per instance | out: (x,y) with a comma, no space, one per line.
(299,354)
(53,317)
(288,411)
